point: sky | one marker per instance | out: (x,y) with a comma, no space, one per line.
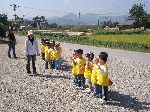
(51,8)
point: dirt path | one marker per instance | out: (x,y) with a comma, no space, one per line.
(52,90)
(113,53)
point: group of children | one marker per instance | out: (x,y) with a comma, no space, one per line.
(90,75)
(51,53)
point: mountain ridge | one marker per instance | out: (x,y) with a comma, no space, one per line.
(73,19)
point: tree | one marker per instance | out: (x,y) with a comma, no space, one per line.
(36,21)
(53,25)
(4,23)
(40,22)
(139,15)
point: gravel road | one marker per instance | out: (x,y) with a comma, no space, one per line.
(52,91)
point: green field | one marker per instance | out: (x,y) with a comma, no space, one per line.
(133,38)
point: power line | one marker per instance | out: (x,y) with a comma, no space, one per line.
(54,11)
(14,6)
(39,9)
(104,14)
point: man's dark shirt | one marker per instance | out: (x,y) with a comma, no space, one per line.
(11,38)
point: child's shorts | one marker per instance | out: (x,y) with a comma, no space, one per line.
(87,81)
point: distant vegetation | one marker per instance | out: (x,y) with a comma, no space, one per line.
(139,15)
(143,38)
(4,23)
(116,32)
(135,42)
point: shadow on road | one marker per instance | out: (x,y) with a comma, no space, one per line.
(127,101)
(24,58)
(35,75)
(65,66)
(55,76)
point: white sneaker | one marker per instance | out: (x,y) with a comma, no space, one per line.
(82,88)
(88,91)
(103,101)
(77,87)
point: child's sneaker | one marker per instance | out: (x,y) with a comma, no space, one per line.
(35,73)
(94,94)
(77,87)
(103,101)
(9,56)
(82,88)
(74,85)
(88,91)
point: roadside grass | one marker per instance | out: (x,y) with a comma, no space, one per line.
(132,38)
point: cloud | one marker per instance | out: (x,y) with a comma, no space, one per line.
(66,4)
(66,1)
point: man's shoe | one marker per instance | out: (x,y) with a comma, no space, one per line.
(35,73)
(29,72)
(103,101)
(15,57)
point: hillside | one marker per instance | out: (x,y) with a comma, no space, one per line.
(89,19)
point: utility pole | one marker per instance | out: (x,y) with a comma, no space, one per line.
(14,9)
(79,20)
(98,24)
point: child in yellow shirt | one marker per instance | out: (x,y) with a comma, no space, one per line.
(88,71)
(74,72)
(47,54)
(57,56)
(52,53)
(93,76)
(102,77)
(42,48)
(80,68)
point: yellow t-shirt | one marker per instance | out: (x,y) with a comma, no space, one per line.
(74,68)
(102,79)
(51,54)
(46,54)
(42,47)
(88,69)
(80,65)
(94,73)
(57,54)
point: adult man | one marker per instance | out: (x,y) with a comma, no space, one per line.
(31,49)
(12,43)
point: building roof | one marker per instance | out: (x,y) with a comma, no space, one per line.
(127,23)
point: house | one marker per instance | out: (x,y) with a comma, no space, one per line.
(125,25)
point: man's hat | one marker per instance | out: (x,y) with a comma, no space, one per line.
(30,32)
